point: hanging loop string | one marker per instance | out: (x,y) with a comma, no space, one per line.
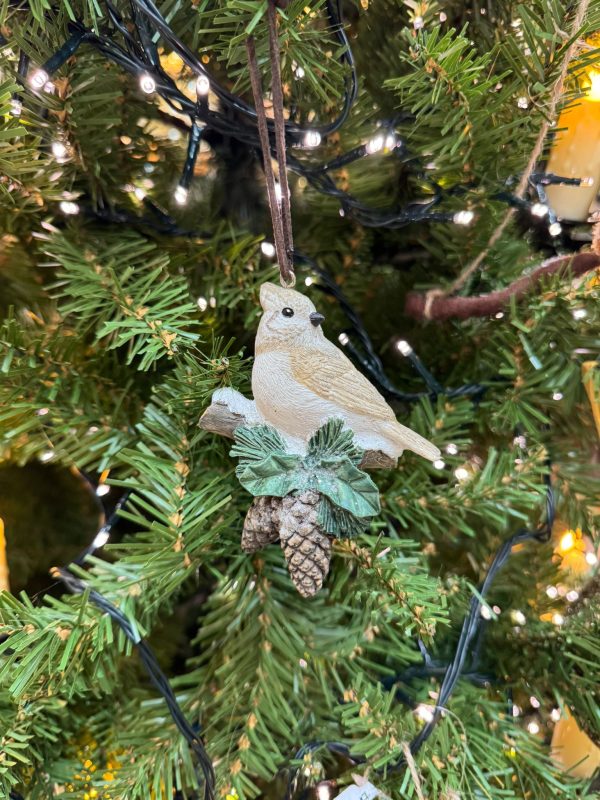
(277,92)
(281,215)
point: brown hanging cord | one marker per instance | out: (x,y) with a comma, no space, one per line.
(277,92)
(281,216)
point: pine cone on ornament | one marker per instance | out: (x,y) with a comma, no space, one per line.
(261,526)
(307,548)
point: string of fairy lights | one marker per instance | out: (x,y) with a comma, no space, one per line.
(139,55)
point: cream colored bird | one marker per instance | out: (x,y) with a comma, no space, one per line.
(300,380)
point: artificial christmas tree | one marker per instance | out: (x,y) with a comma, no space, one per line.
(160,163)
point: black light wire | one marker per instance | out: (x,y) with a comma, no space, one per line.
(155,673)
(138,59)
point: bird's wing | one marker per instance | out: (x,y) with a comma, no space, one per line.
(332,376)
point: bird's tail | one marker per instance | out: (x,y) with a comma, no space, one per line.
(409,440)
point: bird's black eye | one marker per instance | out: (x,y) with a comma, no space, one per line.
(288,312)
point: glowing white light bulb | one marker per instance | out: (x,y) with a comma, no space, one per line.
(572,596)
(390,141)
(180,195)
(591,558)
(47,455)
(461,473)
(463,217)
(451,449)
(41,412)
(202,86)
(443,16)
(59,150)
(579,313)
(539,209)
(308,281)
(300,73)
(555,714)
(16,107)
(519,617)
(485,612)
(557,619)
(102,489)
(343,339)
(323,792)
(404,347)
(312,139)
(557,396)
(439,463)
(375,144)
(552,592)
(39,79)
(516,711)
(147,83)
(523,102)
(68,207)
(499,315)
(267,249)
(555,229)
(418,23)
(425,712)
(202,303)
(535,703)
(101,538)
(139,193)
(533,727)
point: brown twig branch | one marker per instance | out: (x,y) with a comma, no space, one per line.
(222,418)
(443,307)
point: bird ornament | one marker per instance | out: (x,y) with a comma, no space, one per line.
(314,421)
(300,380)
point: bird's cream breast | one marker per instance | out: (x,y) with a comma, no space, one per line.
(283,401)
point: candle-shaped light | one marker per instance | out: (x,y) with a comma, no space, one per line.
(4,584)
(572,749)
(589,374)
(576,153)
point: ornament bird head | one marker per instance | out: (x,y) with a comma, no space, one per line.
(289,318)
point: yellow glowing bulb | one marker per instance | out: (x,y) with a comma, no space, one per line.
(594,90)
(567,541)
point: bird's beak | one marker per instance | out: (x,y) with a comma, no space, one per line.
(316,318)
